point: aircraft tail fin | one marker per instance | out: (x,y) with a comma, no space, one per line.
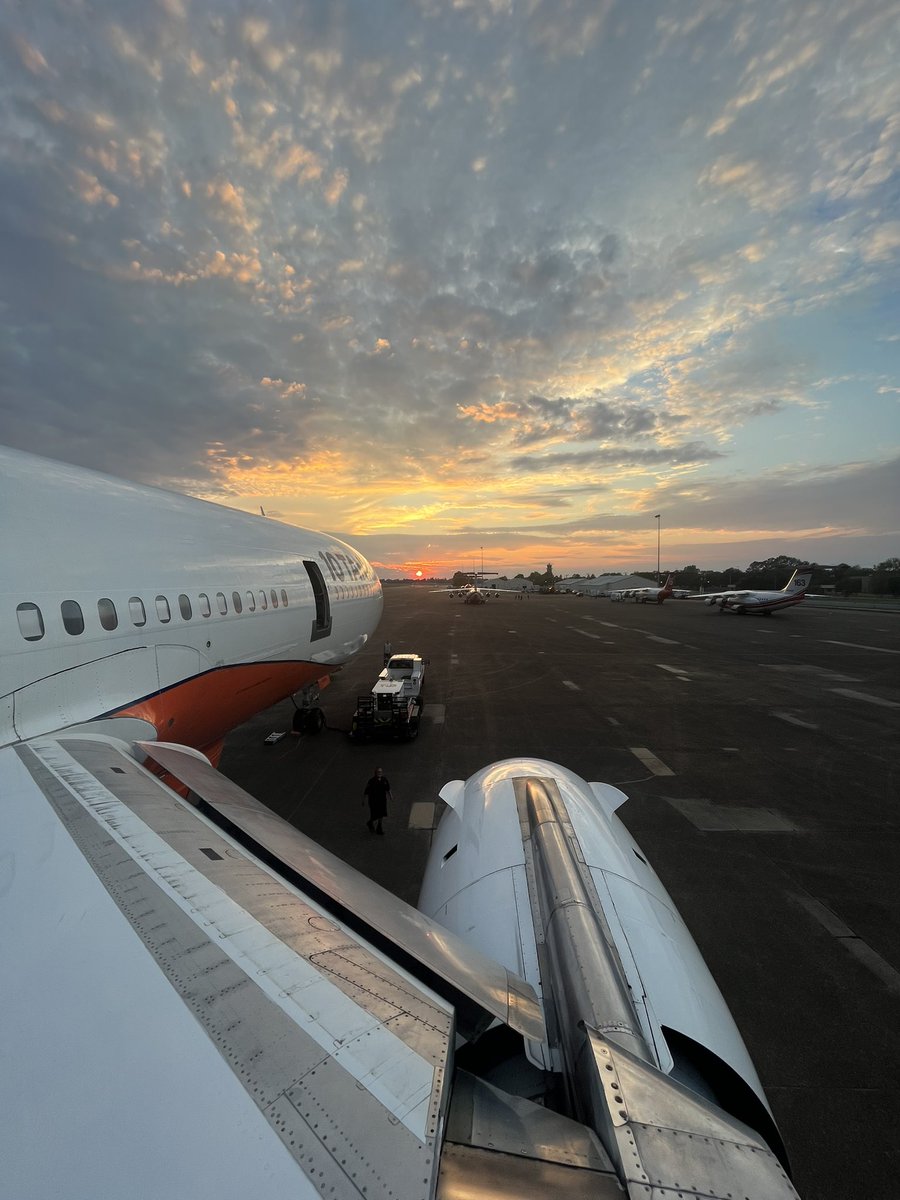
(799,581)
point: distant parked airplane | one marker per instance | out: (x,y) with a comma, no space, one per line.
(761,602)
(658,594)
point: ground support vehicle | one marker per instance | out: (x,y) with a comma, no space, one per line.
(394,706)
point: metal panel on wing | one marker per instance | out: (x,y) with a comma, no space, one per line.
(465,971)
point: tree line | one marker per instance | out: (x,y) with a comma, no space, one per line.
(767,574)
(773,573)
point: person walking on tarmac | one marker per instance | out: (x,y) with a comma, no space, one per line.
(377,792)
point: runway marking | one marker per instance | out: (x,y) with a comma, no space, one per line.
(732,749)
(722,818)
(613,721)
(865,696)
(610,625)
(858,646)
(783,716)
(436,713)
(653,637)
(421,815)
(829,920)
(454,659)
(649,759)
(675,671)
(810,669)
(573,687)
(860,949)
(586,633)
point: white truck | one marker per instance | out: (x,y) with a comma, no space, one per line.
(394,705)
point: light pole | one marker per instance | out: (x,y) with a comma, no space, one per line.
(656,518)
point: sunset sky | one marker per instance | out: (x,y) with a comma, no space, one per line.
(444,275)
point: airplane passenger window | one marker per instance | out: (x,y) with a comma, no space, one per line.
(222,603)
(136,611)
(263,602)
(251,602)
(274,596)
(31,623)
(106,610)
(205,609)
(236,601)
(73,619)
(184,605)
(162,609)
(284,597)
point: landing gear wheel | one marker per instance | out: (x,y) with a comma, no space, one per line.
(315,721)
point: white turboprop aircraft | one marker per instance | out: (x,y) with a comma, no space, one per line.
(761,602)
(646,594)
(197,1000)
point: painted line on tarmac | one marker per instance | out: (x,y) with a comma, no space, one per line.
(650,761)
(586,633)
(857,646)
(421,815)
(783,716)
(654,637)
(613,721)
(610,625)
(860,949)
(677,671)
(865,696)
(722,818)
(810,669)
(573,687)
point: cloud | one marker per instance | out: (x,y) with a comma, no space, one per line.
(447,253)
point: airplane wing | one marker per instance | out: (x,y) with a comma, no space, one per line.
(191,1003)
(717,595)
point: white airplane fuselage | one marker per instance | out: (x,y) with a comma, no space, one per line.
(126,601)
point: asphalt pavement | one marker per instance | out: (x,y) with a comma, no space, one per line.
(759,756)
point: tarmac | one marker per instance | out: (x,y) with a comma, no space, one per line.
(759,756)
